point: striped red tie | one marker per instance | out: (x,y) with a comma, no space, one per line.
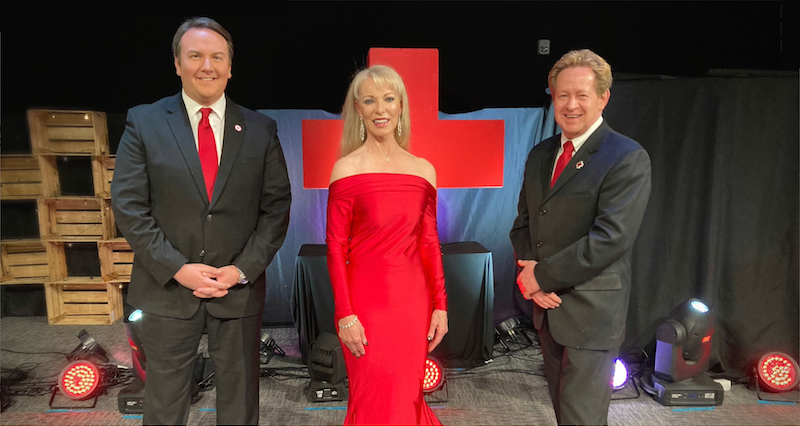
(207,147)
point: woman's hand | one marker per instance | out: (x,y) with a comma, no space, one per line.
(437,329)
(353,336)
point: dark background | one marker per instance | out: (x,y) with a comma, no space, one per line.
(300,55)
(716,229)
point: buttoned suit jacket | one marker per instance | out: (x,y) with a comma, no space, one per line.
(161,206)
(581,232)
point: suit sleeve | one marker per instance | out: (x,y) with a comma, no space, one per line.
(431,254)
(520,233)
(621,205)
(273,217)
(130,198)
(339,220)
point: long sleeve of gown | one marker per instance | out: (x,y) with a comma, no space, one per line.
(431,254)
(340,216)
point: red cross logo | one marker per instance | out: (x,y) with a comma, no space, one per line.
(465,153)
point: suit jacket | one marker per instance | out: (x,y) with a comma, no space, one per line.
(582,232)
(161,206)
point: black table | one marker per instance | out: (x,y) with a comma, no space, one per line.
(469,279)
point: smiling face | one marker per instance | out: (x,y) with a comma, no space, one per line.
(380,108)
(576,102)
(204,65)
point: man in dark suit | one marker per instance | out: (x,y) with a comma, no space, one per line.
(583,197)
(202,195)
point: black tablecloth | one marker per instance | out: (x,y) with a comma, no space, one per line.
(470,296)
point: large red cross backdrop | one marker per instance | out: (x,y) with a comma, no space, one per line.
(465,153)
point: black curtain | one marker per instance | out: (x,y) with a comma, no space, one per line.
(722,222)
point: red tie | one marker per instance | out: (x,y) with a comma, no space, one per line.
(562,161)
(207,147)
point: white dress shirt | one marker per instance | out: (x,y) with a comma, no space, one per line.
(216,119)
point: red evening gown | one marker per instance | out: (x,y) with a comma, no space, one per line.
(385,266)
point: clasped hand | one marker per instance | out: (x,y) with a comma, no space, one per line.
(529,287)
(206,281)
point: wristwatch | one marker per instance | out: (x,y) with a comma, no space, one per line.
(242,277)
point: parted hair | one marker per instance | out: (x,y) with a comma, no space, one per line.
(200,22)
(383,76)
(583,58)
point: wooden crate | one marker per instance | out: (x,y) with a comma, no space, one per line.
(20,177)
(102,174)
(58,268)
(76,302)
(76,219)
(116,260)
(103,168)
(68,132)
(23,262)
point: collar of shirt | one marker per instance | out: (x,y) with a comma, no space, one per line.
(577,143)
(216,118)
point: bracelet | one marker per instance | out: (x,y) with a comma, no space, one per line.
(352,323)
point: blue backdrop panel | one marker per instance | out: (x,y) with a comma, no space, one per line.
(484,215)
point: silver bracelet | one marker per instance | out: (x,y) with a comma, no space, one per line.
(352,323)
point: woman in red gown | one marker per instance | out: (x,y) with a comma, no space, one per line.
(384,255)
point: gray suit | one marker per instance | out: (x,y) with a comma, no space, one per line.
(582,233)
(161,206)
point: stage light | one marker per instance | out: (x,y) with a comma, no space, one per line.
(268,348)
(620,375)
(132,323)
(434,376)
(511,331)
(327,370)
(79,380)
(683,341)
(89,350)
(777,371)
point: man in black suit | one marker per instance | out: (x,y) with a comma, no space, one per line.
(202,195)
(582,201)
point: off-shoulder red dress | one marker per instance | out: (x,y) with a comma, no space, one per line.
(385,266)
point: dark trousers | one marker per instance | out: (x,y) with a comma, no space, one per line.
(579,380)
(170,346)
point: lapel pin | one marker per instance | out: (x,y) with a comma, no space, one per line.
(579,165)
(238,128)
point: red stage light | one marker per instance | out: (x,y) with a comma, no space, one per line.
(777,371)
(79,380)
(434,376)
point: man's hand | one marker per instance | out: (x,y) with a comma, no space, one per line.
(526,281)
(227,277)
(546,300)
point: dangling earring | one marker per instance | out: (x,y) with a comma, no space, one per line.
(363,131)
(400,125)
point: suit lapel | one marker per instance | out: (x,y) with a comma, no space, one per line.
(232,140)
(178,120)
(584,156)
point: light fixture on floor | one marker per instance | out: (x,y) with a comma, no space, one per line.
(327,370)
(79,380)
(683,349)
(511,331)
(434,376)
(776,377)
(620,375)
(268,348)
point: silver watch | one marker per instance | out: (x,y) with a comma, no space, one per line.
(242,277)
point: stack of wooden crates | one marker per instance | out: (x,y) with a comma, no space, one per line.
(67,222)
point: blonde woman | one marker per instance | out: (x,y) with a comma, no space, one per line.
(384,255)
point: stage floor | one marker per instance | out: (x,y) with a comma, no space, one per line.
(509,390)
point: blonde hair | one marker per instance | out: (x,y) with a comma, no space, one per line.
(383,76)
(583,58)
